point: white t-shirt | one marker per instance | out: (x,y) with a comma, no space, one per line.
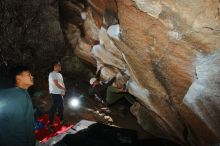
(52,87)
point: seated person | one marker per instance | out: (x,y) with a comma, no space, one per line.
(99,89)
(119,91)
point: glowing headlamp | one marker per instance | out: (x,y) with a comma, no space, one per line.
(74,103)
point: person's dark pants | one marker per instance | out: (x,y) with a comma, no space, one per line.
(57,104)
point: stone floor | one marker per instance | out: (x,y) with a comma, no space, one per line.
(91,109)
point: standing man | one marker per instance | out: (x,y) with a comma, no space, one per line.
(57,91)
(16,111)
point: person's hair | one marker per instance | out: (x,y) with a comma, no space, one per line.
(120,83)
(17,71)
(55,63)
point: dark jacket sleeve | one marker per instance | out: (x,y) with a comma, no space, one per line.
(12,131)
(98,75)
(102,87)
(16,122)
(110,82)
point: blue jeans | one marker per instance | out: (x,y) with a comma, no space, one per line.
(57,104)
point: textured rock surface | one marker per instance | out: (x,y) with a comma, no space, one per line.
(30,29)
(31,34)
(171,51)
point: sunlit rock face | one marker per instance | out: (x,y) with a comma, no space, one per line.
(171,51)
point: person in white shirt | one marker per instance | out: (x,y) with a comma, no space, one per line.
(57,91)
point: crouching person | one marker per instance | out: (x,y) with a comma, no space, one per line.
(98,89)
(117,92)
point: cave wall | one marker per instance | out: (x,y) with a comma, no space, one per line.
(171,51)
(30,33)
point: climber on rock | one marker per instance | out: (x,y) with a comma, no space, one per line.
(108,93)
(98,89)
(119,91)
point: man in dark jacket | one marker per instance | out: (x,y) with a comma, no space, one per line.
(99,89)
(16,111)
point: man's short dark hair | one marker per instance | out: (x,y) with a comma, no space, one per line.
(55,63)
(18,70)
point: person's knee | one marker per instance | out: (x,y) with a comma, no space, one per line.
(110,88)
(109,100)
